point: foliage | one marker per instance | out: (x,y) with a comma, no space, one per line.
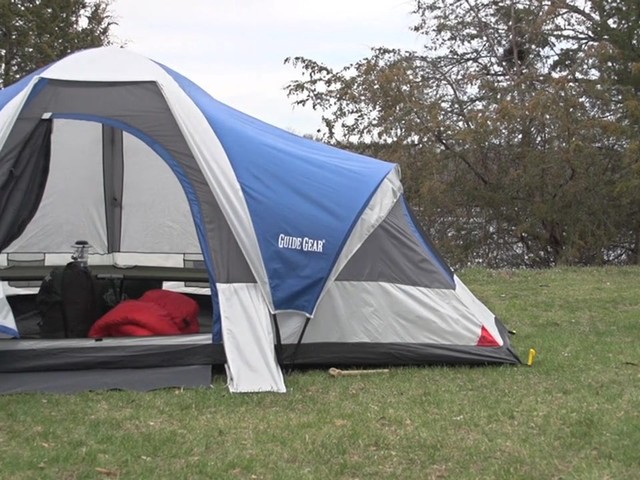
(516,126)
(573,414)
(34,33)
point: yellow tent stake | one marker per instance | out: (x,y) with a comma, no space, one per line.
(532,356)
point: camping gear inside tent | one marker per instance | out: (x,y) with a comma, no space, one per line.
(303,254)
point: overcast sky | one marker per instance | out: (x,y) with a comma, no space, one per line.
(235,49)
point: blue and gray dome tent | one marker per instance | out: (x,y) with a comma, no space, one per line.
(311,251)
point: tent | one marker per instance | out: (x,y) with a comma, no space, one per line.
(311,253)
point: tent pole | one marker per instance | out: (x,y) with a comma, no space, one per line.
(295,350)
(278,339)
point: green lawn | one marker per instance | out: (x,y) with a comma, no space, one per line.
(573,415)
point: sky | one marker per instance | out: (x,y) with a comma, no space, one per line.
(235,49)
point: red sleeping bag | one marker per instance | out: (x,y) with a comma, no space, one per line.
(184,310)
(157,312)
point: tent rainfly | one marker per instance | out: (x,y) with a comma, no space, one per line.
(311,252)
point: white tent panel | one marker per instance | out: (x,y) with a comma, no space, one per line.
(481,312)
(155,212)
(111,64)
(386,312)
(72,206)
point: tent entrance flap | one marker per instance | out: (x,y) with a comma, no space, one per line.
(247,331)
(22,183)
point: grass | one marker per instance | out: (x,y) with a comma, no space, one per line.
(573,415)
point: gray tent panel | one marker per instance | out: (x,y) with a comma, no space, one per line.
(393,254)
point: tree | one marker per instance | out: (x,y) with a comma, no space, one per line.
(34,33)
(518,124)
